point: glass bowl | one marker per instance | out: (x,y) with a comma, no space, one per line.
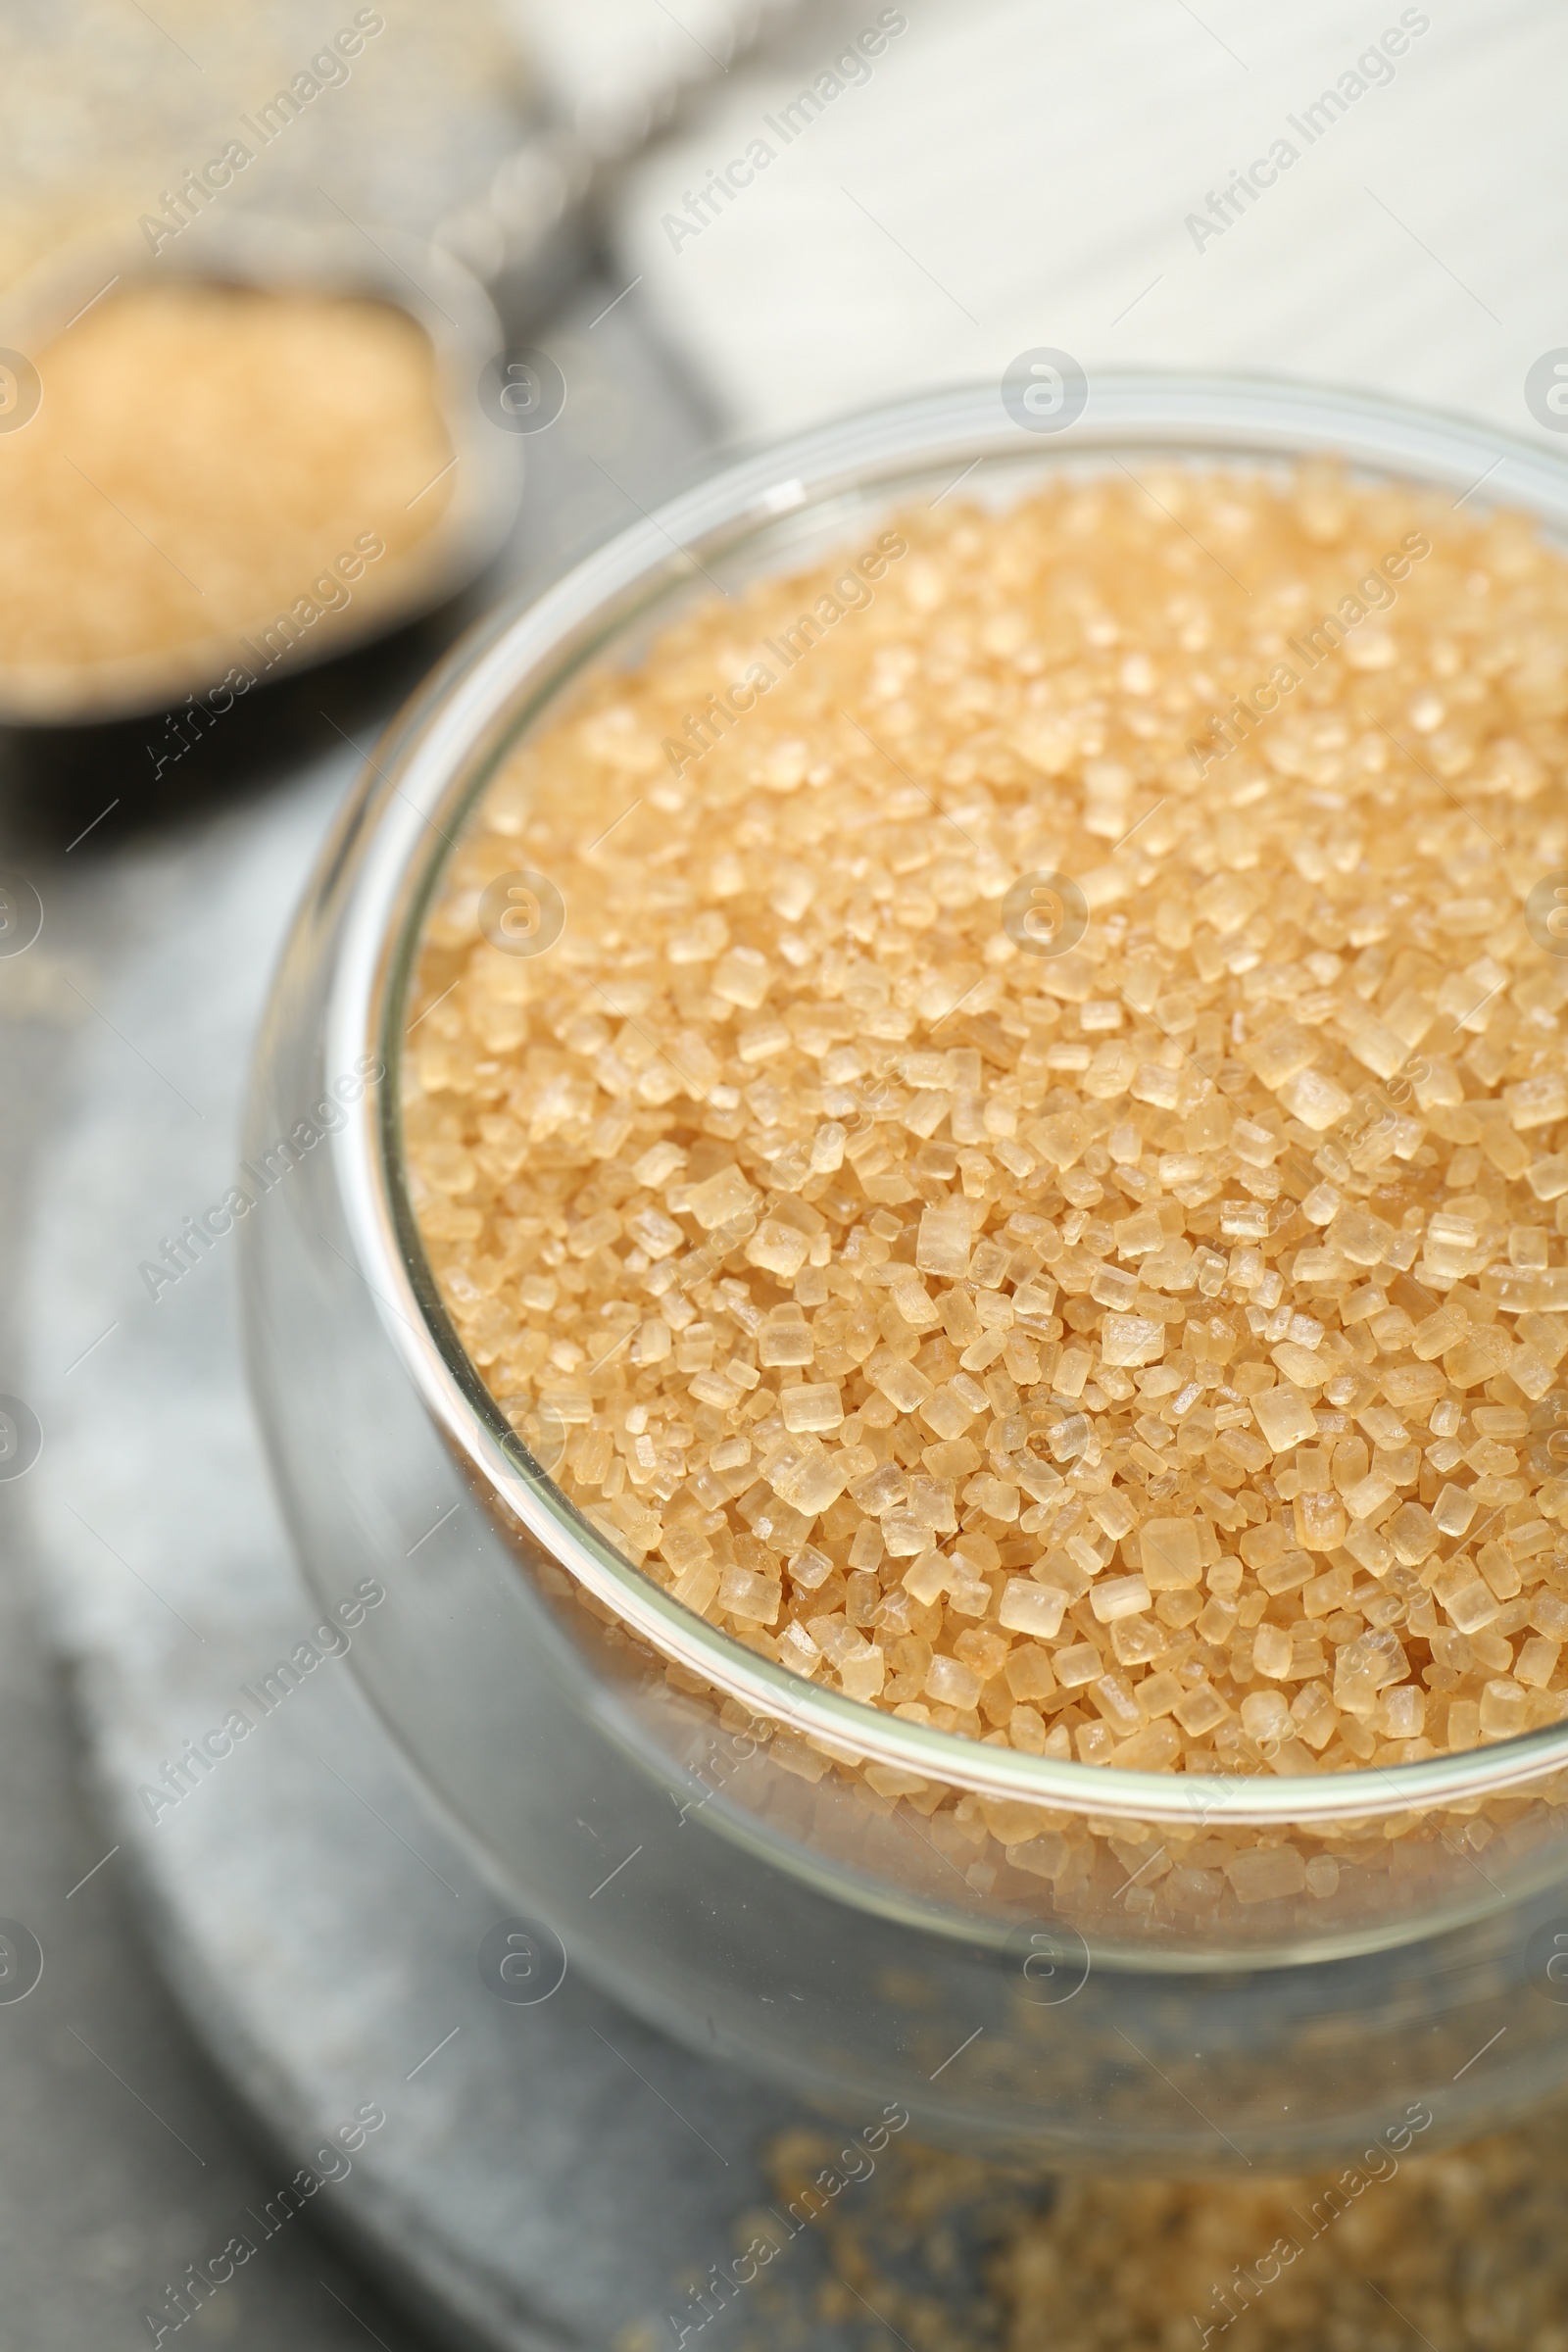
(868,1910)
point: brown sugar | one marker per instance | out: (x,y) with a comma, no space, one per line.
(205,460)
(1000,1106)
(1394,2247)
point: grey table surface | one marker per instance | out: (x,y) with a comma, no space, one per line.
(543,2175)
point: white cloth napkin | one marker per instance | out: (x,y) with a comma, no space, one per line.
(1005,175)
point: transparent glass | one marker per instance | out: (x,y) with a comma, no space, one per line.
(962,1930)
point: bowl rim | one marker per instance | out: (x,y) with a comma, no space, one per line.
(432,769)
(279,252)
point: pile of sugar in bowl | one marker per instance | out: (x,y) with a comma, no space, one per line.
(198,466)
(998,1112)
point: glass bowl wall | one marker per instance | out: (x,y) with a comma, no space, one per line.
(695,1824)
